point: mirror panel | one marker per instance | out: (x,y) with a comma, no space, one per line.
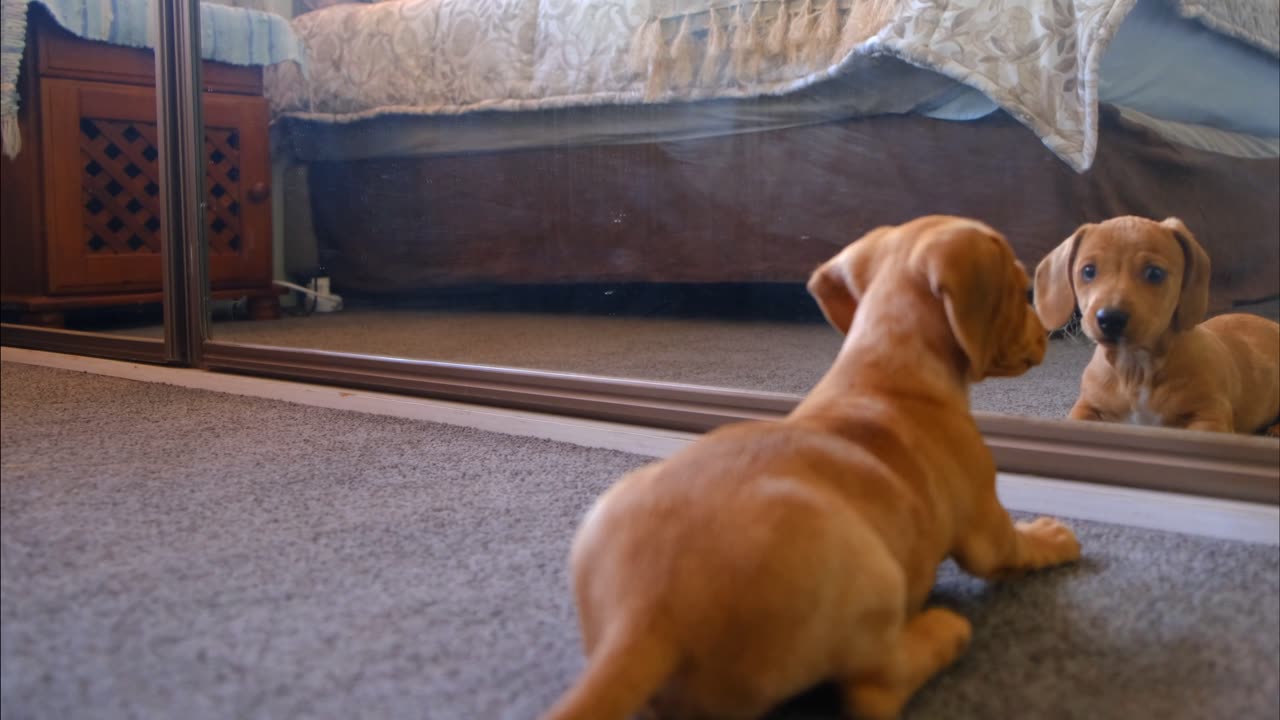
(386,207)
(80,216)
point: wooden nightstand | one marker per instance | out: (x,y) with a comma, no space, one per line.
(80,216)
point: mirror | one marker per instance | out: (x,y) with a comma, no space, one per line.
(79,172)
(641,190)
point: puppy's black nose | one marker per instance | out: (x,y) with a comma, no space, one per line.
(1112,323)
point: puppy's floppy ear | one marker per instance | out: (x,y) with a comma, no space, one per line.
(1055,295)
(1193,303)
(966,269)
(839,282)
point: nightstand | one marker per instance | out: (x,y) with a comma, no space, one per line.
(79,224)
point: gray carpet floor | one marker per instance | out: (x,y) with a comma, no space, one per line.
(786,357)
(168,553)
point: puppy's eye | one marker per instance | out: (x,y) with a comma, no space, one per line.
(1088,272)
(1154,275)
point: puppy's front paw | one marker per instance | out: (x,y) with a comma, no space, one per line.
(1049,541)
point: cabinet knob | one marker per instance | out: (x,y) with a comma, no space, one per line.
(259,192)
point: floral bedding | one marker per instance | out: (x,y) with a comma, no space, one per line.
(1038,59)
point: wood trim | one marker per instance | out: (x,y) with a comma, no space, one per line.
(43,303)
(662,405)
(82,343)
(1203,464)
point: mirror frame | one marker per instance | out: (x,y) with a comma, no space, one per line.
(1234,467)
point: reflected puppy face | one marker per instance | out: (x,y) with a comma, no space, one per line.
(1025,339)
(968,268)
(1134,280)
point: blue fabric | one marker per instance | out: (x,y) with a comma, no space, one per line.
(1172,69)
(230,35)
(1176,69)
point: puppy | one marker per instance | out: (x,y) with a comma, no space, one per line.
(1143,289)
(770,557)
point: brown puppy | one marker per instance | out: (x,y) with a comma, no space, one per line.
(769,557)
(1143,289)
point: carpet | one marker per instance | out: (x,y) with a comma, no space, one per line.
(168,553)
(768,339)
(758,355)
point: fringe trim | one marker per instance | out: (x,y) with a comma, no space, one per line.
(11,135)
(866,19)
(739,44)
(13,35)
(644,48)
(779,34)
(683,62)
(801,30)
(827,33)
(714,57)
(659,68)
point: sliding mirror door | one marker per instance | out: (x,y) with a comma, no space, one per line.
(629,198)
(83,181)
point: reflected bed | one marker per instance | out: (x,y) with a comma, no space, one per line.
(703,185)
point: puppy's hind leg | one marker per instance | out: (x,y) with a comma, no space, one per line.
(912,654)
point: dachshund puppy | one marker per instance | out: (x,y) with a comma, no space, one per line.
(770,557)
(1143,289)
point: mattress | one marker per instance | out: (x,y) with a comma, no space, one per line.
(1037,59)
(1187,83)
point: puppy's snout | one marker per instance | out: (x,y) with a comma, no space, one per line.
(1112,323)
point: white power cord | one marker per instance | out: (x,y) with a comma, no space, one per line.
(325,300)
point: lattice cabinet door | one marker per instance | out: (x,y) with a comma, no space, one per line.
(102,188)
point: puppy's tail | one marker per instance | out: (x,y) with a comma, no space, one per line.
(623,673)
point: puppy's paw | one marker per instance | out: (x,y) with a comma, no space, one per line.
(1053,542)
(949,631)
(931,641)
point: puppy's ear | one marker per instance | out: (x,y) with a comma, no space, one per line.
(966,269)
(1055,295)
(1193,303)
(838,283)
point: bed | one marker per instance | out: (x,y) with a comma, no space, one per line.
(447,142)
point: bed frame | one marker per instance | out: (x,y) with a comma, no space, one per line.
(768,207)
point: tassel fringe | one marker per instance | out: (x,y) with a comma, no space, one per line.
(736,43)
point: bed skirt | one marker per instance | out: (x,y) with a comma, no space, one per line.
(770,206)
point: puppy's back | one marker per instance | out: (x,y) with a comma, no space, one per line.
(1254,344)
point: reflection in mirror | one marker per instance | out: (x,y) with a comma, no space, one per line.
(80,216)
(1139,291)
(589,188)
